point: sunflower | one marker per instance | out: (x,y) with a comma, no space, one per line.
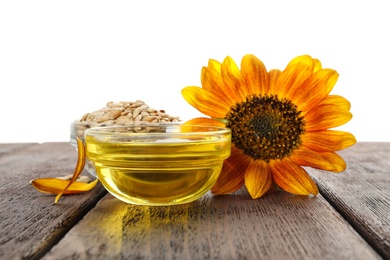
(281,122)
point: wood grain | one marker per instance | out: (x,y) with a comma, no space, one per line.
(30,224)
(362,193)
(277,226)
(9,148)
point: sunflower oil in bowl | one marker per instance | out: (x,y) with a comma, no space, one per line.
(168,165)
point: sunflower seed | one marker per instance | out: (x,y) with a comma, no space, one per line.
(124,113)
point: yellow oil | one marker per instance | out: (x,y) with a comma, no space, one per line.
(158,173)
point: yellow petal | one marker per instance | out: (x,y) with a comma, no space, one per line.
(211,79)
(232,77)
(205,101)
(232,174)
(60,186)
(81,158)
(307,157)
(258,178)
(326,116)
(316,65)
(314,89)
(328,140)
(340,101)
(214,65)
(204,121)
(255,75)
(292,178)
(337,161)
(56,186)
(297,71)
(273,78)
(230,71)
(213,82)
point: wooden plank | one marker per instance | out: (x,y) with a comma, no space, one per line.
(362,193)
(30,224)
(277,226)
(9,148)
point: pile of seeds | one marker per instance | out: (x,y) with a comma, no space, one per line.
(128,113)
(125,113)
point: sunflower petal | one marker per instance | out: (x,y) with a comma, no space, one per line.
(297,71)
(81,159)
(205,101)
(232,174)
(56,186)
(231,75)
(214,65)
(326,116)
(337,161)
(333,111)
(230,71)
(211,79)
(332,100)
(255,75)
(273,78)
(258,178)
(292,178)
(307,157)
(340,101)
(61,186)
(314,89)
(204,121)
(328,140)
(213,82)
(316,65)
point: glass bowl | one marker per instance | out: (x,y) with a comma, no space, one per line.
(77,129)
(158,164)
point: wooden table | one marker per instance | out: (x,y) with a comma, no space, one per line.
(350,219)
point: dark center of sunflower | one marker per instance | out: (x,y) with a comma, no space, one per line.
(265,127)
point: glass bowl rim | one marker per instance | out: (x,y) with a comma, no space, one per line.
(107,131)
(104,124)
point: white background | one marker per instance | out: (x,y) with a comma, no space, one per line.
(61,59)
